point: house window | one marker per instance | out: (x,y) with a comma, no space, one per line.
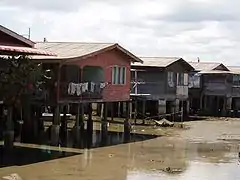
(180,79)
(171,79)
(119,75)
(236,79)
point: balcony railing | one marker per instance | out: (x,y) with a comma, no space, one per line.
(84,90)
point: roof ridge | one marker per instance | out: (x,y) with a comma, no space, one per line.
(205,62)
(76,42)
(159,57)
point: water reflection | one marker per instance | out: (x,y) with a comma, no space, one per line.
(19,156)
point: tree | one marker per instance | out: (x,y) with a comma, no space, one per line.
(20,76)
(21,83)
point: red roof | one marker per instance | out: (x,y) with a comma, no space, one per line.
(5,50)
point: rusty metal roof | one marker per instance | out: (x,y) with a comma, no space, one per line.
(70,50)
(204,66)
(157,61)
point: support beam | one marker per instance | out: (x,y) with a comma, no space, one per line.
(112,111)
(119,109)
(89,126)
(9,132)
(135,110)
(55,129)
(127,126)
(104,124)
(90,121)
(144,111)
(63,128)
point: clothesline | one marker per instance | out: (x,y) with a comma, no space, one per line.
(79,88)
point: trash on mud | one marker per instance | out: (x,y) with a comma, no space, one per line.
(172,170)
(164,123)
(13,176)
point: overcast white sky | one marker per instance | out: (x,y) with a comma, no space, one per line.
(208,29)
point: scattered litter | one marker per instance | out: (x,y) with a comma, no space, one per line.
(13,176)
(110,155)
(172,170)
(164,123)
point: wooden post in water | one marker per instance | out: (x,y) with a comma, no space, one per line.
(63,129)
(55,126)
(127,125)
(119,109)
(135,110)
(104,124)
(112,111)
(144,111)
(9,132)
(90,120)
(89,126)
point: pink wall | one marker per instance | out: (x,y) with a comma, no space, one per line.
(107,60)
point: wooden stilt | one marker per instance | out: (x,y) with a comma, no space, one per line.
(135,110)
(63,129)
(119,109)
(127,125)
(104,125)
(90,121)
(9,133)
(112,111)
(89,126)
(144,111)
(55,129)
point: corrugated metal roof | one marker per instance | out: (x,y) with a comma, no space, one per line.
(204,66)
(156,61)
(217,72)
(23,50)
(67,50)
(16,36)
(235,69)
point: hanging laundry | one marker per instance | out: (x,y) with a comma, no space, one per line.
(79,89)
(84,87)
(92,86)
(72,88)
(103,85)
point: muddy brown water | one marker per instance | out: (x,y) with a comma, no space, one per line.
(205,151)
